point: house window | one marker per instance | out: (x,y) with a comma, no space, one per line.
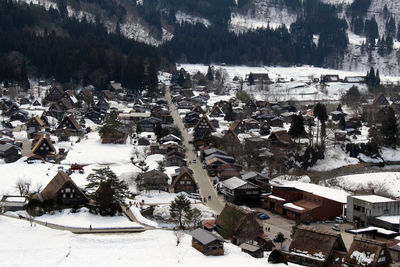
(188,182)
(71,195)
(64,195)
(182,182)
(67,189)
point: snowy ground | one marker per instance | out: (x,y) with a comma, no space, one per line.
(335,158)
(84,219)
(297,85)
(40,246)
(162,211)
(382,183)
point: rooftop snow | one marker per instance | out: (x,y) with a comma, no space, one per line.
(233,183)
(373,198)
(292,206)
(325,192)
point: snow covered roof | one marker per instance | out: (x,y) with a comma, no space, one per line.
(277,198)
(292,206)
(372,228)
(322,191)
(390,219)
(373,198)
(205,237)
(233,183)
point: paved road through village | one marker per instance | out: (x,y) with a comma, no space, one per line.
(200,174)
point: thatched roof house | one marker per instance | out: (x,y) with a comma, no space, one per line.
(321,248)
(238,224)
(63,190)
(368,253)
(153,180)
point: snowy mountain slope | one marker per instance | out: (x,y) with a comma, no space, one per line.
(182,17)
(132,27)
(259,15)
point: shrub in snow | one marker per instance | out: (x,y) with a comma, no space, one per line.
(277,256)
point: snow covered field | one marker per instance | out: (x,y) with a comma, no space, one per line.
(382,183)
(84,219)
(297,82)
(40,246)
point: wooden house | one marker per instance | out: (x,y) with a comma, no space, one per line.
(9,152)
(34,125)
(63,191)
(280,138)
(171,138)
(237,127)
(203,128)
(241,192)
(184,182)
(380,101)
(71,125)
(238,224)
(276,122)
(175,158)
(70,97)
(265,128)
(115,136)
(149,124)
(43,149)
(207,242)
(153,180)
(103,104)
(64,104)
(85,95)
(337,115)
(330,78)
(232,142)
(55,111)
(250,104)
(312,247)
(55,94)
(216,111)
(253,250)
(13,203)
(197,108)
(106,94)
(368,253)
(251,124)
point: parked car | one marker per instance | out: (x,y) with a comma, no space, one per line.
(336,227)
(263,216)
(339,219)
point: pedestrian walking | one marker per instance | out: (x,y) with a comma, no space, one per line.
(90,227)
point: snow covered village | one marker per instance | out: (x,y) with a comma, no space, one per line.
(200,133)
(212,171)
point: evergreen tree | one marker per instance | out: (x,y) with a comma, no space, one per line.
(296,129)
(106,190)
(390,29)
(389,130)
(342,123)
(321,114)
(389,44)
(179,209)
(251,78)
(152,78)
(210,74)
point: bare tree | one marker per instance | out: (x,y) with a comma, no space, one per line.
(23,187)
(179,234)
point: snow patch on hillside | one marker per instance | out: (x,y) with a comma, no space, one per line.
(45,3)
(183,17)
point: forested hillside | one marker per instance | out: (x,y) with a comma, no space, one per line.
(87,41)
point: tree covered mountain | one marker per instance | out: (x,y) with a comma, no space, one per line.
(95,41)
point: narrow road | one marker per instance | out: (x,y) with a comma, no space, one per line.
(201,176)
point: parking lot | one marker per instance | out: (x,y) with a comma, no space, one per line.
(277,224)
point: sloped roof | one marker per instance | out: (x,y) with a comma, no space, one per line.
(72,120)
(44,138)
(234,125)
(365,252)
(315,243)
(184,170)
(233,183)
(208,122)
(205,237)
(51,189)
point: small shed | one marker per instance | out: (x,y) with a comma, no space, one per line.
(207,242)
(253,250)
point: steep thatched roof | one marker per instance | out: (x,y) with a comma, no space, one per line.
(366,252)
(154,177)
(44,139)
(184,170)
(51,189)
(231,222)
(316,243)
